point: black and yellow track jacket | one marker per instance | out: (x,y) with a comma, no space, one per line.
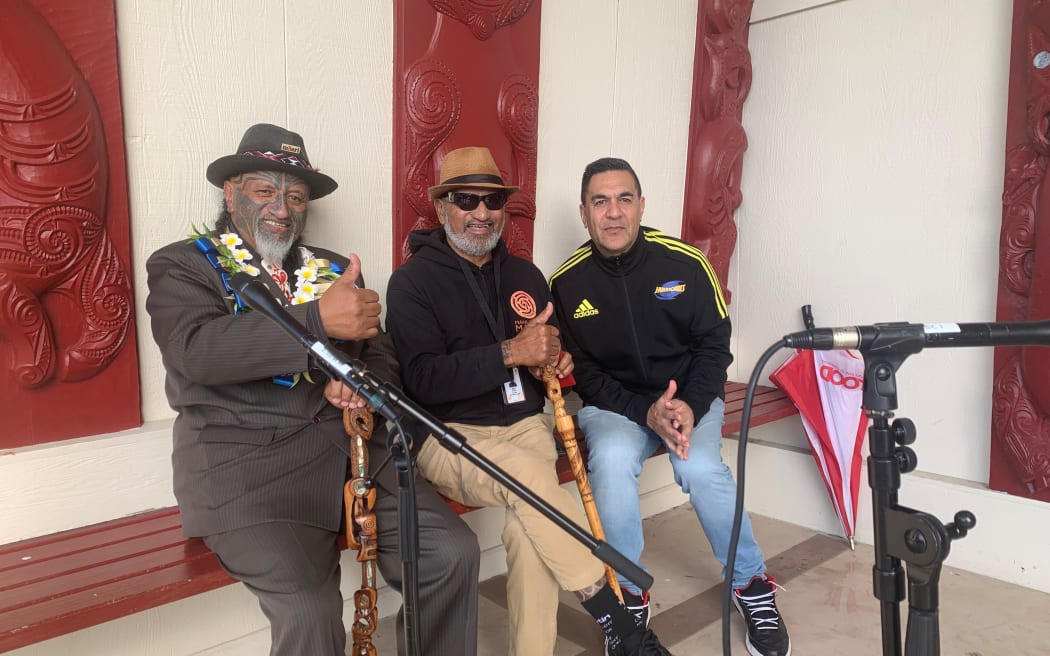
(635,321)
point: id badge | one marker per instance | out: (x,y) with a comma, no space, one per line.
(513,392)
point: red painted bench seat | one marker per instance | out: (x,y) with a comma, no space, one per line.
(60,583)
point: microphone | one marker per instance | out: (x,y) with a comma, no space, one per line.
(352,372)
(913,337)
(252,291)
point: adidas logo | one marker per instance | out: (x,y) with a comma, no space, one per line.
(585,310)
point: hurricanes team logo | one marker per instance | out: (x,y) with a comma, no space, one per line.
(669,290)
(523,304)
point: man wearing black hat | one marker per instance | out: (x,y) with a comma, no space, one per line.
(470,323)
(260,452)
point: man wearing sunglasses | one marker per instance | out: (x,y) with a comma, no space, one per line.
(470,324)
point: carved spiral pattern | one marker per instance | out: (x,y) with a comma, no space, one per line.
(1024,171)
(434,104)
(432,96)
(25,312)
(518,109)
(108,307)
(1022,428)
(57,236)
(725,77)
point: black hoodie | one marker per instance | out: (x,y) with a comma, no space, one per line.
(450,359)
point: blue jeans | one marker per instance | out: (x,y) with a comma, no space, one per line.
(618,448)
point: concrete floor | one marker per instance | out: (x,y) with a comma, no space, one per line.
(828,601)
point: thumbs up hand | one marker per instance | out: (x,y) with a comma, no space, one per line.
(347,311)
(536,345)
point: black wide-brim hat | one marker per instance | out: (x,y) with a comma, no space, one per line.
(266,147)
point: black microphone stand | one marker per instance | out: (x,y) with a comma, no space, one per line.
(901,533)
(392,404)
(401,411)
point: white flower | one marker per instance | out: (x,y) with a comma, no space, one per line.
(307,288)
(230,239)
(240,254)
(302,297)
(307,273)
(250,269)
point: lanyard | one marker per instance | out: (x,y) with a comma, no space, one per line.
(495,323)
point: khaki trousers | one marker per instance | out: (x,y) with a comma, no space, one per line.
(540,556)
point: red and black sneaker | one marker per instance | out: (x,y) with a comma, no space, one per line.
(766,633)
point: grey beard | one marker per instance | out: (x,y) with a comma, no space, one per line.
(464,243)
(273,250)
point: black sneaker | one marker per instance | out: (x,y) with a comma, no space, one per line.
(637,606)
(766,633)
(641,643)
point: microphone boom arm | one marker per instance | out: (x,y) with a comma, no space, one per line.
(391,403)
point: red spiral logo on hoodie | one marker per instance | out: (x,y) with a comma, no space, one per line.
(523,304)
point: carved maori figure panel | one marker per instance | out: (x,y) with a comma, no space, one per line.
(1020,457)
(465,80)
(721,83)
(67,298)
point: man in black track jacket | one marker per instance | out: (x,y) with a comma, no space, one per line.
(644,317)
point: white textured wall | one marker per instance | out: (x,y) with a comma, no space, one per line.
(615,80)
(871,191)
(195,74)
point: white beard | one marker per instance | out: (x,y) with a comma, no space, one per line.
(273,250)
(472,248)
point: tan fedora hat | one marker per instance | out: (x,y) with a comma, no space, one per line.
(266,147)
(469,167)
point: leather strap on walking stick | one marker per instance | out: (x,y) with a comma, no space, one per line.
(567,430)
(359,500)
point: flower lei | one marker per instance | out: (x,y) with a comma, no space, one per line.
(312,278)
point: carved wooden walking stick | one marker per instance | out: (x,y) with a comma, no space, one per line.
(567,430)
(359,500)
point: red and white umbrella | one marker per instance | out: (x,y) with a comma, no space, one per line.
(828,389)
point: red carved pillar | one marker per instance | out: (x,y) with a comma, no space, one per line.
(721,83)
(1020,452)
(466,73)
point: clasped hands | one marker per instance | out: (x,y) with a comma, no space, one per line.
(672,419)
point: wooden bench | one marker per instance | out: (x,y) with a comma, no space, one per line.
(60,583)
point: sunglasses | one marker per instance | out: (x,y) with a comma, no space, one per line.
(468,202)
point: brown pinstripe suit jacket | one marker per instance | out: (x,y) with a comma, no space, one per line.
(247,450)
